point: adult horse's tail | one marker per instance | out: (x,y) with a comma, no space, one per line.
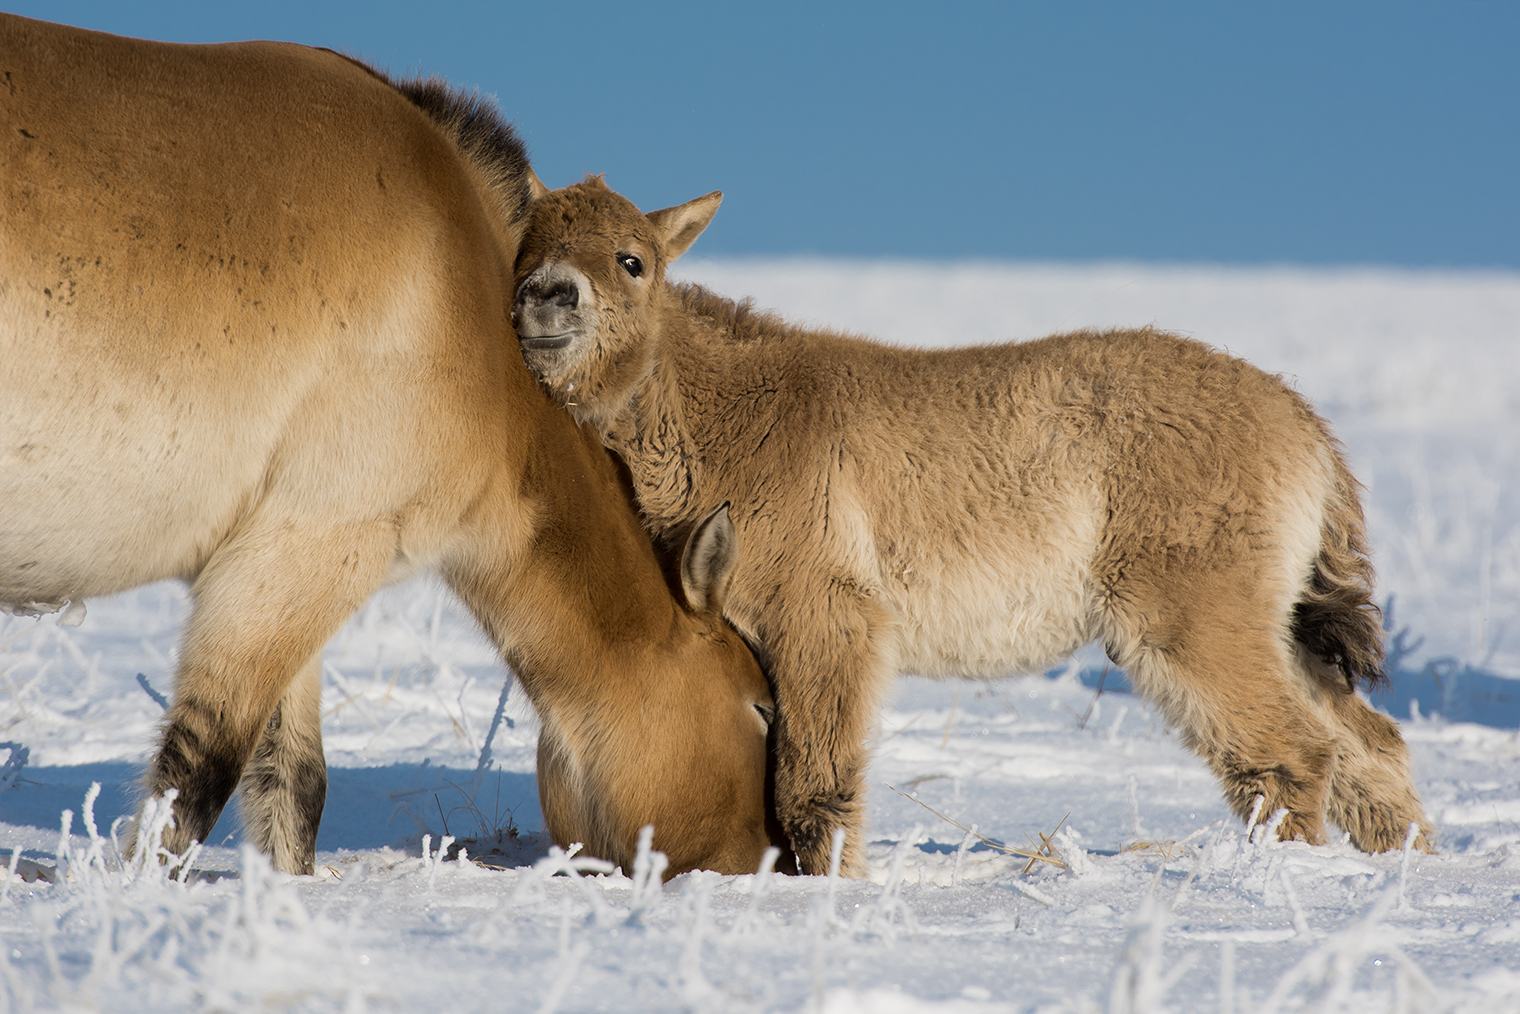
(1335,618)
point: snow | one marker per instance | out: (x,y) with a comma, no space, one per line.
(1162,903)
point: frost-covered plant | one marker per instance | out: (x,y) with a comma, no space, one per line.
(649,869)
(1140,984)
(889,913)
(1324,979)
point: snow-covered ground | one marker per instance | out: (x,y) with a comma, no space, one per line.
(1161,904)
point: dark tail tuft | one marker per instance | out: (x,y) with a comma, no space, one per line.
(1336,618)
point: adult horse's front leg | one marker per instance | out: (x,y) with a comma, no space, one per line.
(265,604)
(829,666)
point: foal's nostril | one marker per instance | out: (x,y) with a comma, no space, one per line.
(539,293)
(565,295)
(561,294)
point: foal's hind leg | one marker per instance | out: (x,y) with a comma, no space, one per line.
(285,783)
(1237,702)
(1372,795)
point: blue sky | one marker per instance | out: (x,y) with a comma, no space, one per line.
(1324,133)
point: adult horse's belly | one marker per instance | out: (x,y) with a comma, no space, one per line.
(130,443)
(105,488)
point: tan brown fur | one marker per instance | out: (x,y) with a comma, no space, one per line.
(984,511)
(254,334)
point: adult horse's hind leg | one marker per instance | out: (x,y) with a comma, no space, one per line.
(264,606)
(284,785)
(1226,683)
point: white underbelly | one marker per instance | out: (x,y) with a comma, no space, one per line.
(109,530)
(1003,610)
(985,633)
(96,500)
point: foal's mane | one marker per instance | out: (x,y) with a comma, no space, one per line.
(737,318)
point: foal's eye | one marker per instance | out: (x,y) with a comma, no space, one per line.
(631,264)
(767,715)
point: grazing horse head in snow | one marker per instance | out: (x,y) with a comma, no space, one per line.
(984,511)
(255,335)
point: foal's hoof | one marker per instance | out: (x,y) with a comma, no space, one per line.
(812,837)
(1393,837)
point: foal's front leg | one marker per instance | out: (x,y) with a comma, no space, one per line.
(829,665)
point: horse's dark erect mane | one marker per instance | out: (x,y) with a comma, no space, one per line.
(473,122)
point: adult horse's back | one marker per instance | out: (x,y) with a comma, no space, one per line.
(254,334)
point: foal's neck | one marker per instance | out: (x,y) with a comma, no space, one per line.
(661,449)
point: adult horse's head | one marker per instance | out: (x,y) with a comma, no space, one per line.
(589,280)
(670,731)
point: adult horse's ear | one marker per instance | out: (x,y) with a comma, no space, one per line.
(536,189)
(680,226)
(707,562)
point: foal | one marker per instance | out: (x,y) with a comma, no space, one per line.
(984,511)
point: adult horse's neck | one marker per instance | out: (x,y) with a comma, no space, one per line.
(652,709)
(573,605)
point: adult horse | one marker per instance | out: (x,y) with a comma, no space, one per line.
(983,511)
(254,334)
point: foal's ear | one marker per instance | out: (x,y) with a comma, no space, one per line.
(680,226)
(536,189)
(707,562)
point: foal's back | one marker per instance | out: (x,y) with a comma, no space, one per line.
(980,485)
(981,511)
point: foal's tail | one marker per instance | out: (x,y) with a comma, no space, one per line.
(1335,617)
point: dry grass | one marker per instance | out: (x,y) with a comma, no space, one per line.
(1041,851)
(495,834)
(1093,703)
